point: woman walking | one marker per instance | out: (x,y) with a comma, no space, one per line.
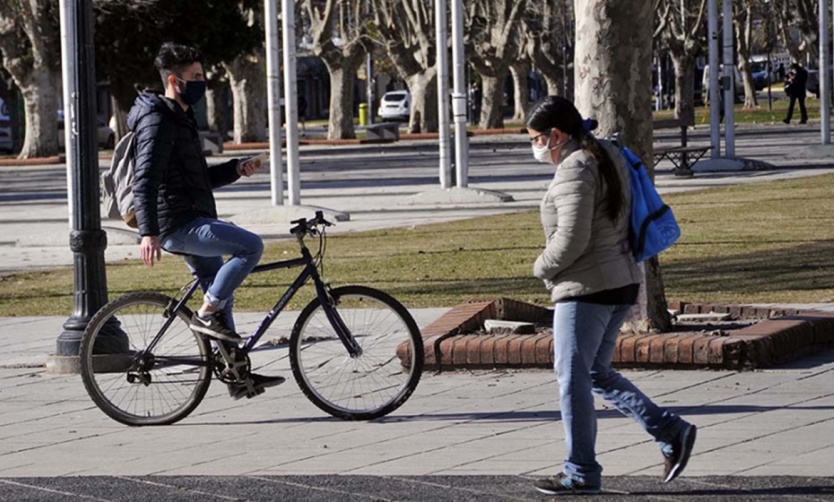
(593,280)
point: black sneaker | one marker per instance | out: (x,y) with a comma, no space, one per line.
(258,384)
(562,483)
(214,326)
(681,449)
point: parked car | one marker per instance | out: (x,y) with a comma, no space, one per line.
(395,105)
(759,74)
(106,135)
(6,145)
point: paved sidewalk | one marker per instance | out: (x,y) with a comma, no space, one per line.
(777,422)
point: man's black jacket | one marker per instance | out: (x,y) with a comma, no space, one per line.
(172,183)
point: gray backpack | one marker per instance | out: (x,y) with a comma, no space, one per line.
(117,183)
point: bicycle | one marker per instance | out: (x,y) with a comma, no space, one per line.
(355,352)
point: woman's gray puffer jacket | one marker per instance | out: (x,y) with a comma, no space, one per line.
(585,251)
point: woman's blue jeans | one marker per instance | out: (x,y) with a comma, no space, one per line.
(584,339)
(204,242)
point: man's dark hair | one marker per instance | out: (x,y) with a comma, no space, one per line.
(175,58)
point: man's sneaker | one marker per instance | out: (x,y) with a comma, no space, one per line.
(681,449)
(562,483)
(215,326)
(258,384)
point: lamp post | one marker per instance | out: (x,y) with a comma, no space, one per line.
(87,240)
(769,46)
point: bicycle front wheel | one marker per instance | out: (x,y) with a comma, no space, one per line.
(376,382)
(137,384)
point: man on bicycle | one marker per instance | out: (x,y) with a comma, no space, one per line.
(175,206)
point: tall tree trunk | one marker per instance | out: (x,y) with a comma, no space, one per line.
(554,86)
(29,49)
(744,27)
(423,89)
(684,66)
(217,112)
(342,82)
(613,84)
(521,87)
(492,102)
(40,107)
(247,77)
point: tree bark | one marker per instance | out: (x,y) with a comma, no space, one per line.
(217,114)
(247,77)
(554,86)
(342,81)
(681,31)
(423,89)
(492,104)
(684,67)
(521,88)
(613,84)
(407,32)
(29,46)
(492,44)
(744,27)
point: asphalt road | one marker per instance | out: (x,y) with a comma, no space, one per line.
(401,488)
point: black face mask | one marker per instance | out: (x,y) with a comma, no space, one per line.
(194,91)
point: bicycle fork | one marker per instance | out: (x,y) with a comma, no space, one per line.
(328,304)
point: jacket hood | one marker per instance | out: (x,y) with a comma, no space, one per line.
(147,103)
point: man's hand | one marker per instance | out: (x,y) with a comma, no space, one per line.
(249,166)
(150,250)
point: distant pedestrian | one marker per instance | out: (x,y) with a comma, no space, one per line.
(593,280)
(474,103)
(796,82)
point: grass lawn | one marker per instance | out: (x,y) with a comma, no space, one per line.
(765,242)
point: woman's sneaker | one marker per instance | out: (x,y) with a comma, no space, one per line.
(681,449)
(215,326)
(562,483)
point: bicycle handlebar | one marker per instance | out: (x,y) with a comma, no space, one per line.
(304,226)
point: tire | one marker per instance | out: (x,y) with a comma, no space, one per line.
(373,384)
(114,347)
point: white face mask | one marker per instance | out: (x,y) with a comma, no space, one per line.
(543,153)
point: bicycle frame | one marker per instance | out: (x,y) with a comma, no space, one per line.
(309,271)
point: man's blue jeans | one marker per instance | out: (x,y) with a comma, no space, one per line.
(584,338)
(204,242)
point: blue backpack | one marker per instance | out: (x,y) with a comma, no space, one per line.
(653,226)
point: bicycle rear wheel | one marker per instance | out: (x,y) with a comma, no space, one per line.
(376,382)
(135,384)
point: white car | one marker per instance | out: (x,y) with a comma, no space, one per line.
(395,105)
(106,137)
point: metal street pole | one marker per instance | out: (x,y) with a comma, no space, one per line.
(87,240)
(824,75)
(445,140)
(459,97)
(714,99)
(729,81)
(291,102)
(273,100)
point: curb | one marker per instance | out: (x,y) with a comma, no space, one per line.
(36,161)
(781,335)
